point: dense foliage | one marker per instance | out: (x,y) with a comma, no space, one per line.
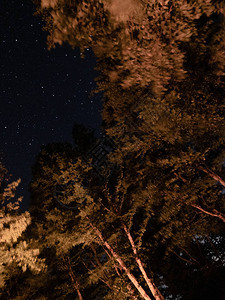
(13,249)
(149,223)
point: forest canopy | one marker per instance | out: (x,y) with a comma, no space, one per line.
(142,43)
(139,212)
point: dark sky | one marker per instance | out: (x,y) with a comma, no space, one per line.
(42,92)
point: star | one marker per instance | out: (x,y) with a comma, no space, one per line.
(31,76)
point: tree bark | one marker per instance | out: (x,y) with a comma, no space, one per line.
(154,290)
(122,264)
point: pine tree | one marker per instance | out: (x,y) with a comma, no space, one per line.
(13,249)
(74,223)
(162,73)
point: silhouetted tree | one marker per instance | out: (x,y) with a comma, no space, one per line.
(83,138)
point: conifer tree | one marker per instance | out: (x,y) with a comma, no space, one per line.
(13,249)
(74,223)
(95,219)
(162,73)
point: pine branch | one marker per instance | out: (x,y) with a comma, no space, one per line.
(105,278)
(115,267)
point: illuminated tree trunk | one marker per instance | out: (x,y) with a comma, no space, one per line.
(129,288)
(154,290)
(122,264)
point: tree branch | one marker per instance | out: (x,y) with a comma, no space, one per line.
(154,290)
(182,258)
(215,212)
(105,278)
(212,175)
(73,279)
(121,263)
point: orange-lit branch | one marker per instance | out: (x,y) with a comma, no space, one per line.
(72,277)
(212,175)
(154,290)
(215,212)
(121,263)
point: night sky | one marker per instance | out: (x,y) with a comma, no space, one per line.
(42,92)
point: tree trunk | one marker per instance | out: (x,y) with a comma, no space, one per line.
(122,264)
(154,290)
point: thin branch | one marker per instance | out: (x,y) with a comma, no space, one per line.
(190,256)
(106,208)
(73,279)
(182,258)
(105,277)
(88,269)
(212,175)
(180,177)
(115,267)
(121,203)
(93,264)
(215,212)
(130,222)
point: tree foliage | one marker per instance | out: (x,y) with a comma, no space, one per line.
(141,43)
(13,249)
(154,215)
